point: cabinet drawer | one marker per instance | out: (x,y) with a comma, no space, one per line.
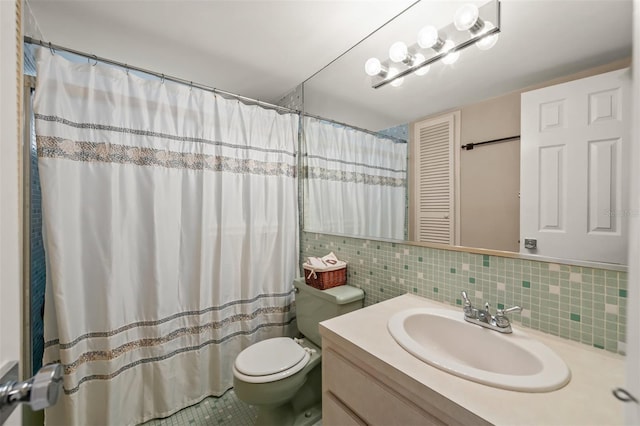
(335,413)
(371,400)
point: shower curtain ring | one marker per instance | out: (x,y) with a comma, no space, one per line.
(95,58)
(126,67)
(191,86)
(51,49)
(162,80)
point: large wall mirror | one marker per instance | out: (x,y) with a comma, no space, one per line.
(430,132)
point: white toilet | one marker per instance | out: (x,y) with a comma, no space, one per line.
(281,376)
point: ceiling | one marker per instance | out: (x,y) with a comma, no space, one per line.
(263,49)
(260,49)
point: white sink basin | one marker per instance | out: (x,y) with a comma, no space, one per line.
(515,361)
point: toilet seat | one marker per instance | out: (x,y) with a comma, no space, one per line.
(270,360)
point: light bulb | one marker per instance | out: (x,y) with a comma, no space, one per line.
(398,51)
(418,60)
(398,81)
(372,67)
(466,17)
(452,57)
(487,42)
(428,37)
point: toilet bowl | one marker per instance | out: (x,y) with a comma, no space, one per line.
(282,376)
(282,388)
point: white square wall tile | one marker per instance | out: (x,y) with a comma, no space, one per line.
(502,286)
(420,275)
(611,309)
(526,313)
(554,267)
(406,252)
(465,266)
(397,255)
(575,277)
(554,289)
(479,294)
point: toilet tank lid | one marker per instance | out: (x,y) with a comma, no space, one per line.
(339,295)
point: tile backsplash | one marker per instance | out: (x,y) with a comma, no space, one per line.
(584,304)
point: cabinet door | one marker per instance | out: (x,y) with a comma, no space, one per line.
(573,174)
(371,400)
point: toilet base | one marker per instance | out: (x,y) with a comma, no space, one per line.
(304,409)
(280,415)
(284,415)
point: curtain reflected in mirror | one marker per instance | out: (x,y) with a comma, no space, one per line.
(356,181)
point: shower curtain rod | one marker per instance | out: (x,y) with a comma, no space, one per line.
(470,146)
(54,47)
(371,132)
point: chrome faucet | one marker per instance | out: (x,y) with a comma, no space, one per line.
(483,317)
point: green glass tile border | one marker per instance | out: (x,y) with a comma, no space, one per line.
(584,304)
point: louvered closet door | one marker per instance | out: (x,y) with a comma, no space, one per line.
(434,180)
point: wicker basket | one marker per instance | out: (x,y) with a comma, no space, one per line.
(325,278)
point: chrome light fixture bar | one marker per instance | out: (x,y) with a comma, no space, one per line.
(471,25)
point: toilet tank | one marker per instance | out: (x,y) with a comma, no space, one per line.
(314,306)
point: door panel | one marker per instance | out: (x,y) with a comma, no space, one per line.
(552,193)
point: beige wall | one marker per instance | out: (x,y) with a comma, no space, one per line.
(490,174)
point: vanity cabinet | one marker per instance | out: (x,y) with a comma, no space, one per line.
(368,379)
(355,392)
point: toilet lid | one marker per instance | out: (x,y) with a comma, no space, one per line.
(269,357)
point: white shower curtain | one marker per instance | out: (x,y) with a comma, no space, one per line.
(171,236)
(356,182)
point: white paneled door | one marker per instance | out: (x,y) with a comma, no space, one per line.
(10,314)
(573,173)
(632,382)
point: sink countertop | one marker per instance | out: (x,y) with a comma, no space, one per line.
(586,400)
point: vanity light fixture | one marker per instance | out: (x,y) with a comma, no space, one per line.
(471,25)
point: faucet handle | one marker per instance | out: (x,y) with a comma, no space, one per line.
(467,302)
(501,320)
(509,310)
(469,310)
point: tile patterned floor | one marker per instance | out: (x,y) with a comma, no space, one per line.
(226,410)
